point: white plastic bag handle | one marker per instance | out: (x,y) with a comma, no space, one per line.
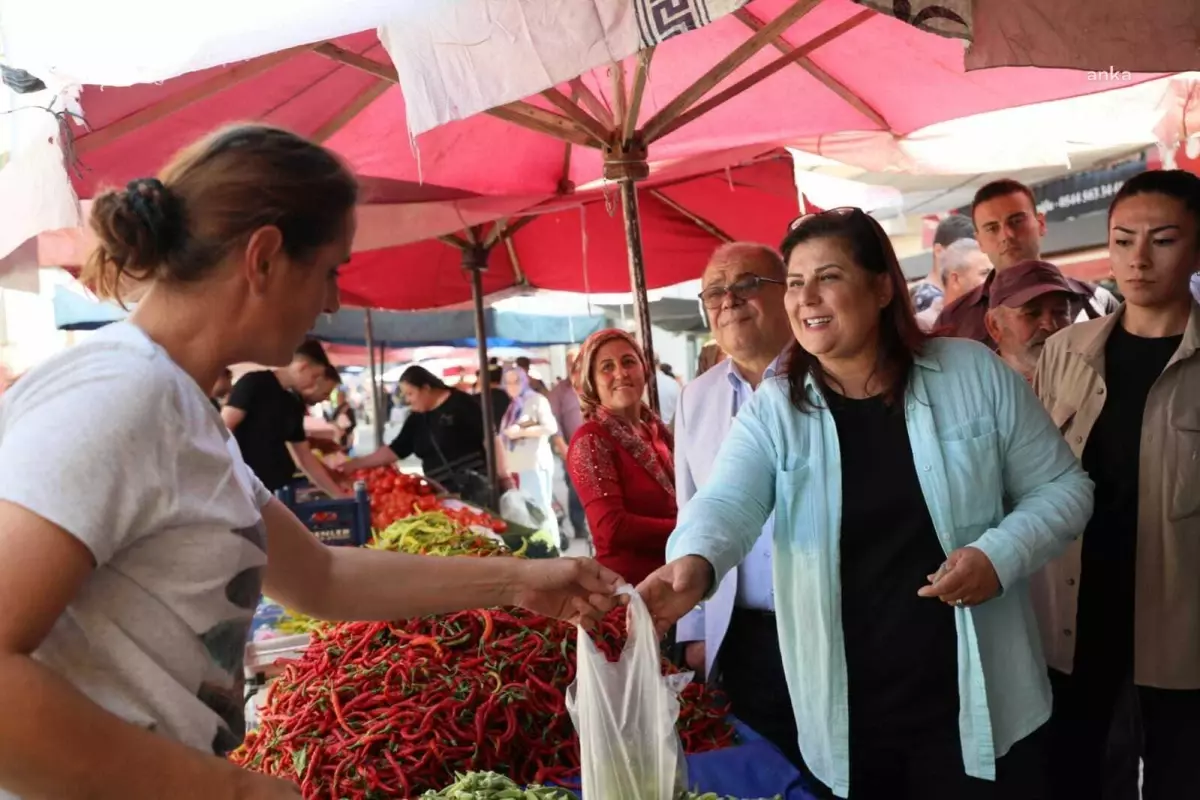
(625,712)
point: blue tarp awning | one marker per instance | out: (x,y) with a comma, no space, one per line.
(455,328)
(76,312)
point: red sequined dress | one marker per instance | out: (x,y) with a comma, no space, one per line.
(624,475)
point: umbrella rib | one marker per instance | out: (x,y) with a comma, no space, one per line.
(350,111)
(584,120)
(518,273)
(542,121)
(352,59)
(564,183)
(699,221)
(785,47)
(592,102)
(180,100)
(616,72)
(519,113)
(760,75)
(654,128)
(455,240)
(639,90)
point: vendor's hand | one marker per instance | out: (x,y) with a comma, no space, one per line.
(675,589)
(514,432)
(575,589)
(967,578)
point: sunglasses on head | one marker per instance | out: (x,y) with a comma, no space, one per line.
(842,212)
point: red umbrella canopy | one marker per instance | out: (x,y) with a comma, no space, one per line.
(849,69)
(860,71)
(581,247)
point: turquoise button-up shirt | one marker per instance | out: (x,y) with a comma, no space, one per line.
(995,474)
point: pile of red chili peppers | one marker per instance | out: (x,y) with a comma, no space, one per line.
(389,710)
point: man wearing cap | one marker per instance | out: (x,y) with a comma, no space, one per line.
(1027,304)
(1009,229)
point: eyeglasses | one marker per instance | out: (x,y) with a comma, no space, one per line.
(843,212)
(742,290)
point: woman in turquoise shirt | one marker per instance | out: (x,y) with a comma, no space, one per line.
(916,485)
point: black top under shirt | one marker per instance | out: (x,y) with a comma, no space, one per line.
(1107,588)
(274,417)
(901,649)
(448,439)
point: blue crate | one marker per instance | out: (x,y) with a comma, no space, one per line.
(345,523)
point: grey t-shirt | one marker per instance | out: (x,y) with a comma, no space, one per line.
(114,443)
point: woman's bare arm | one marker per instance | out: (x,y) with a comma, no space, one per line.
(54,741)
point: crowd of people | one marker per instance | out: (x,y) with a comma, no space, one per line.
(929,557)
(969,564)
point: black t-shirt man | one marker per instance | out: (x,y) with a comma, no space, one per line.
(448,439)
(274,417)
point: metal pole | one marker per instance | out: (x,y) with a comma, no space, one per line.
(375,399)
(637,281)
(475,261)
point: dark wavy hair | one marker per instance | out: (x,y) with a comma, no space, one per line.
(900,337)
(418,377)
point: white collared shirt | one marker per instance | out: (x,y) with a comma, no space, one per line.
(755,585)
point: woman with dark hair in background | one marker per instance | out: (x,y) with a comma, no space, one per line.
(916,485)
(135,543)
(444,430)
(1120,611)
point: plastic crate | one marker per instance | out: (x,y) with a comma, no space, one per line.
(345,523)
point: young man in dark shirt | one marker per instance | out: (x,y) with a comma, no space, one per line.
(266,413)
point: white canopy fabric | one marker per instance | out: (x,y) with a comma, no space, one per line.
(123,42)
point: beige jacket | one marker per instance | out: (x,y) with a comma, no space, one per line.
(1070,382)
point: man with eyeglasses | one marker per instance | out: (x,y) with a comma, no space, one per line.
(732,638)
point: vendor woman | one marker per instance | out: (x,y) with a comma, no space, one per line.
(134,541)
(444,430)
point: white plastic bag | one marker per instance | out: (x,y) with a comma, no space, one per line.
(625,712)
(518,508)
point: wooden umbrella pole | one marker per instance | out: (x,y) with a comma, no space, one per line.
(626,163)
(627,167)
(376,404)
(475,260)
(637,280)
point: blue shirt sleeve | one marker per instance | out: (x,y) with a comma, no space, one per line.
(1050,493)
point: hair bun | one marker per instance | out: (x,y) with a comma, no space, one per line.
(157,209)
(137,230)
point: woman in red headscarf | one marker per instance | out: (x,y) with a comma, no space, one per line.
(621,460)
